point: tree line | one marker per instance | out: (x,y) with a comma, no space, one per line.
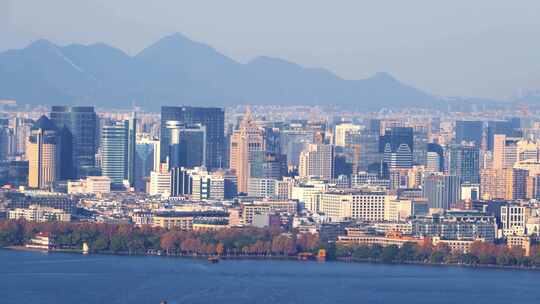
(129,239)
(480,253)
(251,241)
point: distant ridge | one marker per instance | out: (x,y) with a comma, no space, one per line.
(178,70)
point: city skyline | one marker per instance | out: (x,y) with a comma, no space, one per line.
(202,151)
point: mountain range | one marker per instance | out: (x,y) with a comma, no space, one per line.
(179,71)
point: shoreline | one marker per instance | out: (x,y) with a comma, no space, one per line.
(276,258)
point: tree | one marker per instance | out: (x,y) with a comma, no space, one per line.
(389,253)
(361,252)
(376,251)
(307,242)
(219,248)
(407,252)
(168,242)
(118,244)
(99,245)
(437,257)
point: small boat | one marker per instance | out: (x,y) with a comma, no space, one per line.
(213,259)
(85,248)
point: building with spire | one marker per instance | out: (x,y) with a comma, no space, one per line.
(245,142)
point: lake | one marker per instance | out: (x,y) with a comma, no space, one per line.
(33,277)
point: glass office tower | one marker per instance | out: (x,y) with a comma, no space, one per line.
(469,131)
(78,140)
(211,118)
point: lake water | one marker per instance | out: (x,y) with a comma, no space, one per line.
(33,277)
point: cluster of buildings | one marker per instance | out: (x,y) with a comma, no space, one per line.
(385,178)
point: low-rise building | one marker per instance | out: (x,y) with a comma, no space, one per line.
(36,213)
(355,236)
(185,220)
(457,225)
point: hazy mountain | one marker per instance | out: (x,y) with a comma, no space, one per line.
(177,70)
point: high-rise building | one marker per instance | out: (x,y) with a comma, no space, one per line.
(317,160)
(527,151)
(442,191)
(21,127)
(293,143)
(435,158)
(181,182)
(374,126)
(131,163)
(268,165)
(78,140)
(397,147)
(147,159)
(187,144)
(464,161)
(421,140)
(499,127)
(114,152)
(493,183)
(365,147)
(517,183)
(42,152)
(469,131)
(160,181)
(247,140)
(6,142)
(341,132)
(505,151)
(211,118)
(272,136)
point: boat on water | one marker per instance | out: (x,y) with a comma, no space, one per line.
(85,248)
(213,259)
(43,241)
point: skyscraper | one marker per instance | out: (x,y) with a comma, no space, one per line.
(464,161)
(249,138)
(341,131)
(470,131)
(147,159)
(397,147)
(180,182)
(293,143)
(435,158)
(268,165)
(505,151)
(317,160)
(114,152)
(42,152)
(211,118)
(366,149)
(499,127)
(131,126)
(78,140)
(442,191)
(187,144)
(6,141)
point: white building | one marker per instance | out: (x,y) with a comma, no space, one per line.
(35,213)
(514,219)
(354,204)
(341,133)
(92,184)
(160,182)
(317,160)
(309,194)
(98,184)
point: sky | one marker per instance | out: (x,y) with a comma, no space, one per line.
(480,48)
